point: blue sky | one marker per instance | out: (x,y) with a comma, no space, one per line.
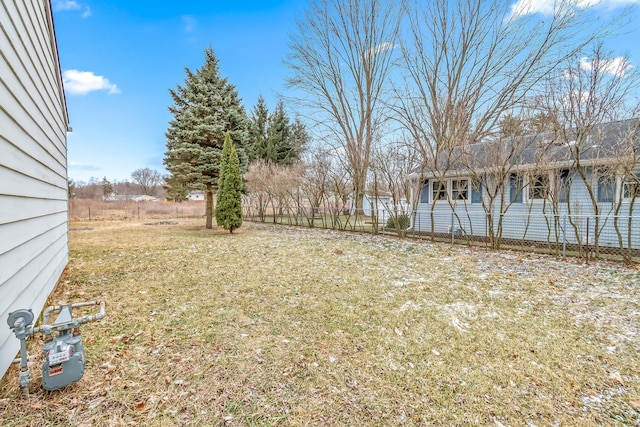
(120,57)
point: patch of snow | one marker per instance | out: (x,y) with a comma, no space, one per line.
(459,325)
(409,305)
(457,311)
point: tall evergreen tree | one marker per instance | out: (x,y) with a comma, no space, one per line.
(230,185)
(259,122)
(274,138)
(175,189)
(299,137)
(278,147)
(204,108)
(107,187)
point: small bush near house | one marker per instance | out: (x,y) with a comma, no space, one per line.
(401,220)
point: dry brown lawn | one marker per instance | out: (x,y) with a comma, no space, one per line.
(295,326)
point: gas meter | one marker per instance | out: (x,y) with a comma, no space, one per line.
(63,349)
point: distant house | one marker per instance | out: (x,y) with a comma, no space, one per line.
(116,198)
(195,195)
(33,163)
(129,198)
(143,198)
(381,204)
(533,187)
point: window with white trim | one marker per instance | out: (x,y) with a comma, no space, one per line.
(476,191)
(606,189)
(424,193)
(630,188)
(451,188)
(563,185)
(516,184)
(460,189)
(438,190)
(538,187)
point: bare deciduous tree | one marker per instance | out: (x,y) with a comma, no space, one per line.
(290,181)
(341,58)
(592,89)
(468,63)
(340,188)
(273,188)
(393,165)
(314,183)
(627,160)
(258,179)
(494,169)
(148,179)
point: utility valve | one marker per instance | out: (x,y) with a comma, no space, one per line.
(63,350)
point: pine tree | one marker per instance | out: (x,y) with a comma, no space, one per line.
(175,189)
(107,188)
(204,108)
(278,144)
(230,185)
(259,122)
(274,138)
(299,138)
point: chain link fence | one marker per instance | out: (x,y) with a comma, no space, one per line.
(588,237)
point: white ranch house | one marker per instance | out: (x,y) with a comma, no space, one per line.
(33,163)
(540,194)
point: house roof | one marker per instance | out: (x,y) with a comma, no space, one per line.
(603,144)
(604,141)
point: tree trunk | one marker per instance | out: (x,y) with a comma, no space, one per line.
(209,207)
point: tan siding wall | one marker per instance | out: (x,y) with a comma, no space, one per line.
(33,164)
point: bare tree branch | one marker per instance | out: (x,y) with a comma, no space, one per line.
(341,58)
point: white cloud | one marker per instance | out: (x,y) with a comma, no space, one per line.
(618,3)
(548,7)
(617,67)
(382,47)
(64,5)
(83,166)
(189,23)
(60,5)
(82,82)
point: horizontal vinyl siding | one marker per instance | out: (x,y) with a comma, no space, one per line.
(29,124)
(15,208)
(40,252)
(27,232)
(534,220)
(45,271)
(31,56)
(33,164)
(13,183)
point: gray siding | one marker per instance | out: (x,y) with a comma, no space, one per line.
(33,163)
